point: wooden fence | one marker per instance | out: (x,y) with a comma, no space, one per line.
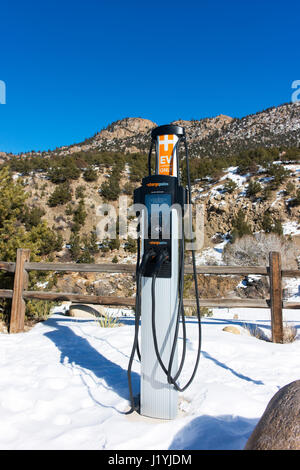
(22,266)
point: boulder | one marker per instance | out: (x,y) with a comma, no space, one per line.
(232,329)
(87,311)
(279,426)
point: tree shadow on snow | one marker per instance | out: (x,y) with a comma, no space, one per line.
(214,433)
(77,350)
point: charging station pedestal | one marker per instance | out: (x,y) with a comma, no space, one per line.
(160,278)
(159,399)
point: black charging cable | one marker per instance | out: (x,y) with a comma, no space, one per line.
(135,347)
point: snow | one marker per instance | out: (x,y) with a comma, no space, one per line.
(213,255)
(248,280)
(292,289)
(295,168)
(63,385)
(291,228)
(231,173)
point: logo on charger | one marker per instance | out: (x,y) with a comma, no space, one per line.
(157,243)
(166,149)
(156,185)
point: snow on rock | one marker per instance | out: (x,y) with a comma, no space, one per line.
(213,255)
(294,168)
(63,385)
(291,228)
(232,174)
(292,289)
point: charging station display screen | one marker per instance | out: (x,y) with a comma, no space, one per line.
(158,208)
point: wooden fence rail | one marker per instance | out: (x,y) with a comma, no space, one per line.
(19,293)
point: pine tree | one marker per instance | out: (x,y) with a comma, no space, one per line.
(130,245)
(240,226)
(75,246)
(230,186)
(61,195)
(90,175)
(253,189)
(79,216)
(19,228)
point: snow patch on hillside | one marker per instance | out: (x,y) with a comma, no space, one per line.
(291,228)
(232,174)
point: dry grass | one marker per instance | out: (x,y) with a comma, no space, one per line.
(254,330)
(289,333)
(3,327)
(109,322)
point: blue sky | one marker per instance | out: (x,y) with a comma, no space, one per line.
(71,68)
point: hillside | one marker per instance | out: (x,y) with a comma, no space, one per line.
(242,191)
(268,204)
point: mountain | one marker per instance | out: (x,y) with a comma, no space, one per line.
(3,157)
(221,135)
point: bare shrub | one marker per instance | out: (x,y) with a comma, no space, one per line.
(253,250)
(289,333)
(109,322)
(192,312)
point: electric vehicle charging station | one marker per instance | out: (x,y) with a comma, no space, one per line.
(160,278)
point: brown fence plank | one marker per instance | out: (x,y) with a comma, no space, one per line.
(276,297)
(290,273)
(6,294)
(7,266)
(130,268)
(82,267)
(130,301)
(242,270)
(228,302)
(20,283)
(291,305)
(87,299)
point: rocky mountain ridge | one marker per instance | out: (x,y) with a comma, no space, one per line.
(217,136)
(220,135)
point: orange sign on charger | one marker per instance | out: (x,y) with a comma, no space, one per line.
(165,158)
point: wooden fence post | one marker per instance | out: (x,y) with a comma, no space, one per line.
(276,297)
(18,306)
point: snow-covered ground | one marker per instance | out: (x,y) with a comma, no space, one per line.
(232,174)
(212,255)
(63,385)
(291,228)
